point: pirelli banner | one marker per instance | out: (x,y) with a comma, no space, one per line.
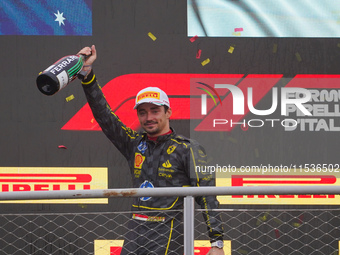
(243,180)
(20,179)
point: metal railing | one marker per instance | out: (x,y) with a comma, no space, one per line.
(171,191)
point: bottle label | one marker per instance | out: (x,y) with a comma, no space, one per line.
(63,79)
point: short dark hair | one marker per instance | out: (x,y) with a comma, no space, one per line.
(166,108)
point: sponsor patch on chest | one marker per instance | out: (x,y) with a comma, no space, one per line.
(139,159)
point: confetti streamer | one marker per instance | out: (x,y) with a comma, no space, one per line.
(231,49)
(275,48)
(92,120)
(198,54)
(69,98)
(301,218)
(296,224)
(152,36)
(62,147)
(262,219)
(238,29)
(233,140)
(236,34)
(192,39)
(277,233)
(278,221)
(242,251)
(258,222)
(205,62)
(298,57)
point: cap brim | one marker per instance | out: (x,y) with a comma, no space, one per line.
(155,103)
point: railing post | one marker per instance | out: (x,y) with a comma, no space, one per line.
(189,209)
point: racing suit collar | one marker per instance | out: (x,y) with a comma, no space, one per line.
(161,137)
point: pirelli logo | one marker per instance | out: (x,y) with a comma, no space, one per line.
(148,94)
(39,182)
(279,180)
(48,179)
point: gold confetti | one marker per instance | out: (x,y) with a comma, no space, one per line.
(298,57)
(236,33)
(69,98)
(295,224)
(277,221)
(242,251)
(262,219)
(233,140)
(152,36)
(231,49)
(275,48)
(205,62)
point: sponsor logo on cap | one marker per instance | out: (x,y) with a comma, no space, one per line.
(148,94)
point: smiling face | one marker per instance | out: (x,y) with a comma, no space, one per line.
(153,119)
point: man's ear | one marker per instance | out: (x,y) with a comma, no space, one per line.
(168,113)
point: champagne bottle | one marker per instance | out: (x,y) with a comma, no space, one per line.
(60,74)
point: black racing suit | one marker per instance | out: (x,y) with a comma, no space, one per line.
(169,162)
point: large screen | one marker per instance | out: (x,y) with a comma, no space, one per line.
(264,18)
(27,17)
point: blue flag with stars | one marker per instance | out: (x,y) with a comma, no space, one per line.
(46,17)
